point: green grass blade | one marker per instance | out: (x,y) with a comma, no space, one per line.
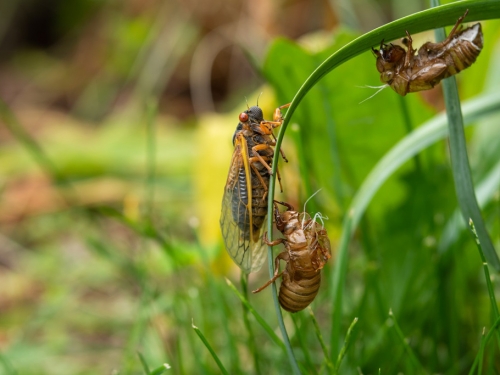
(144,363)
(485,191)
(210,349)
(286,341)
(137,331)
(151,113)
(301,337)
(9,370)
(37,153)
(257,317)
(413,358)
(343,351)
(251,338)
(160,370)
(321,341)
(25,139)
(491,291)
(464,186)
(484,341)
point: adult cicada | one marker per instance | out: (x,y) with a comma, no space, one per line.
(244,205)
(307,249)
(406,72)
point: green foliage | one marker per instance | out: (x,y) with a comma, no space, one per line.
(408,231)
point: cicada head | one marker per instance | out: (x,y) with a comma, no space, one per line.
(255,114)
(389,57)
(252,115)
(249,119)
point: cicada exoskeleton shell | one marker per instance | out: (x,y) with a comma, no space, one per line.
(307,249)
(406,72)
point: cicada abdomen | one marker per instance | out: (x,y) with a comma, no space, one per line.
(244,204)
(307,249)
(406,72)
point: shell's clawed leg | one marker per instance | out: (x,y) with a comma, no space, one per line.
(284,256)
(271,243)
(456,28)
(287,205)
(409,52)
(280,224)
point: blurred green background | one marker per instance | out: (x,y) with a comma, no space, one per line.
(115,142)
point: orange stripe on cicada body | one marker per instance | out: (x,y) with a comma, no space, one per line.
(307,249)
(406,72)
(244,204)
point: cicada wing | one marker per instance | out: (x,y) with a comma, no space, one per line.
(243,242)
(258,254)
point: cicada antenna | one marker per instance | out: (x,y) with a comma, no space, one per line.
(258,98)
(246,100)
(380,88)
(308,199)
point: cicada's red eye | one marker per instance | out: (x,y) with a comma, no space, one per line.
(243,117)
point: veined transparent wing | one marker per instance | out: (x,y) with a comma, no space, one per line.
(241,237)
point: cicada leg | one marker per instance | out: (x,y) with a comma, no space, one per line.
(277,118)
(279,179)
(287,205)
(281,150)
(455,28)
(277,112)
(280,224)
(284,256)
(283,155)
(277,115)
(259,158)
(271,243)
(410,51)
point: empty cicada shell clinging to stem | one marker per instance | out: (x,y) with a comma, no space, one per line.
(244,204)
(307,249)
(406,72)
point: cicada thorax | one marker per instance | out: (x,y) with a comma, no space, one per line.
(406,72)
(307,249)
